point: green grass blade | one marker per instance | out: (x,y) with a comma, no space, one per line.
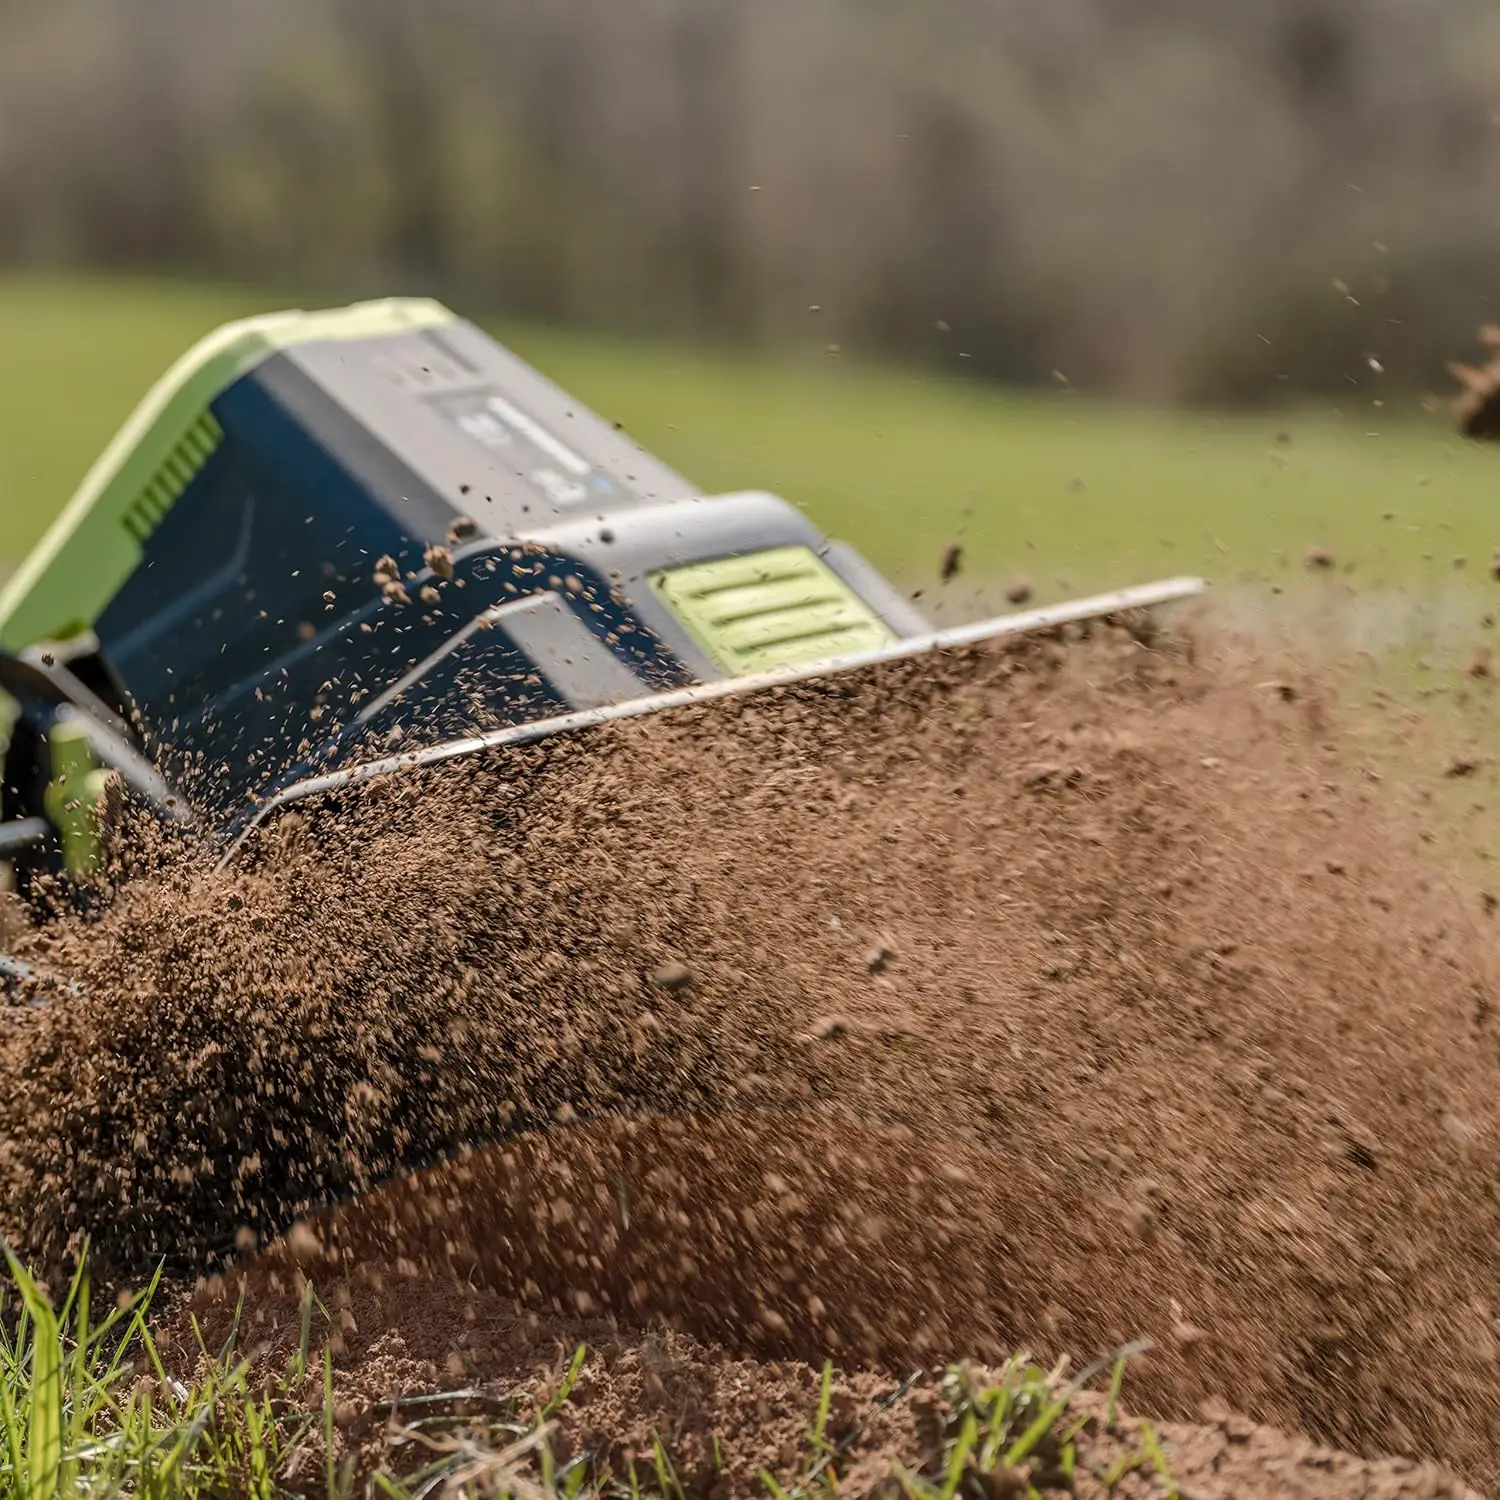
(1125,1464)
(768,1479)
(1025,1445)
(565,1390)
(304,1340)
(913,1486)
(259,1458)
(1158,1460)
(1112,1405)
(825,1402)
(330,1455)
(78,1284)
(44,1420)
(968,1436)
(575,1478)
(15,1434)
(666,1474)
(138,1333)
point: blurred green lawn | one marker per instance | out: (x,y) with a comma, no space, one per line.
(1072,493)
(1075,494)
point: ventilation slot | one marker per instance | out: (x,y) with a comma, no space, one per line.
(175,473)
(780,608)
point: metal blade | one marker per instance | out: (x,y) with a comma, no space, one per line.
(1024,622)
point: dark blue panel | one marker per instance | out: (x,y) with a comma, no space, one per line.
(241,666)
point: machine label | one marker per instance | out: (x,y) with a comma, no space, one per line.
(557,472)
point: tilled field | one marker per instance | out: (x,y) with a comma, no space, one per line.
(1047,997)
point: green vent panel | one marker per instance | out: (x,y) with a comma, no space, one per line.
(95,544)
(781,608)
(178,470)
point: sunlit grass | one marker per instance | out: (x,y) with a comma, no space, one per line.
(91,1407)
(1072,492)
(88,1408)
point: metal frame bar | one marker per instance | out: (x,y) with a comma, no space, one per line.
(23,833)
(15,976)
(1025,622)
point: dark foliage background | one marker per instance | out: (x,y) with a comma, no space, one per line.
(1175,199)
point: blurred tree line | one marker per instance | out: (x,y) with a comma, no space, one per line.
(1167,198)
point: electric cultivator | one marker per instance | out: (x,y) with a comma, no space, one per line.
(331,545)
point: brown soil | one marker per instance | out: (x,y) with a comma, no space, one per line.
(399,1329)
(1047,999)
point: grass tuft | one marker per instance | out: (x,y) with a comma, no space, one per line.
(89,1408)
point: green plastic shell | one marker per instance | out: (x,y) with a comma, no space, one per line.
(95,543)
(780,608)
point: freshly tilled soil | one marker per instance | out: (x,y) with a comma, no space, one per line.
(400,1326)
(1048,996)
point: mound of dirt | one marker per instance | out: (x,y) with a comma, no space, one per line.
(400,1330)
(1044,996)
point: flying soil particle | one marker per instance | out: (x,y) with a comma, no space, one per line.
(672,976)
